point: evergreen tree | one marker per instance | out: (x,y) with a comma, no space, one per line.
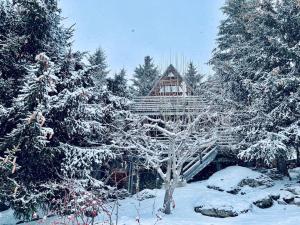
(98,59)
(192,77)
(83,120)
(57,120)
(28,27)
(144,77)
(232,46)
(118,84)
(31,138)
(260,67)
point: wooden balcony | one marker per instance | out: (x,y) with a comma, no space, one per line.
(168,105)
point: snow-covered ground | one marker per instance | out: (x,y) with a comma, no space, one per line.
(190,196)
(146,212)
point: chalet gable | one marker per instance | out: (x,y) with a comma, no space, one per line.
(171,83)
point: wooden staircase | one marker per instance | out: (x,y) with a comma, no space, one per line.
(189,106)
(224,140)
(201,161)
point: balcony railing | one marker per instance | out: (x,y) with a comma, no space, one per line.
(168,105)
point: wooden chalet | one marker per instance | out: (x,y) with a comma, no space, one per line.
(170,96)
(171,83)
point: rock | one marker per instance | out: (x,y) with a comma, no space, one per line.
(264,203)
(257,182)
(274,174)
(234,191)
(281,202)
(214,188)
(145,194)
(218,206)
(288,198)
(297,201)
(235,179)
(294,190)
(295,173)
(220,213)
(275,196)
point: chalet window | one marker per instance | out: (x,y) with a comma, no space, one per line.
(171,75)
(170,88)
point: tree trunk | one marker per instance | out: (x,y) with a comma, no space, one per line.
(167,200)
(168,185)
(282,166)
(298,157)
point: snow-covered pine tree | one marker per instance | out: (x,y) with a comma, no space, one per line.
(192,76)
(98,58)
(118,84)
(144,77)
(263,65)
(82,119)
(8,166)
(3,115)
(27,28)
(232,46)
(31,138)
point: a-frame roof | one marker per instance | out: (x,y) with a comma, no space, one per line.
(171,69)
(168,71)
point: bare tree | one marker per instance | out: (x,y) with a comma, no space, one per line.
(168,147)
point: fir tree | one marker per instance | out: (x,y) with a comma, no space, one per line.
(98,59)
(57,119)
(118,84)
(82,118)
(28,28)
(31,138)
(259,67)
(232,46)
(144,77)
(192,76)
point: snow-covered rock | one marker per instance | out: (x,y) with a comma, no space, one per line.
(145,194)
(297,201)
(229,206)
(261,198)
(264,203)
(294,190)
(288,199)
(295,173)
(234,178)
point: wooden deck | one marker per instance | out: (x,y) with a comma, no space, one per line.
(168,105)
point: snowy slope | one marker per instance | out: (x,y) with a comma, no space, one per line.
(184,214)
(230,178)
(186,198)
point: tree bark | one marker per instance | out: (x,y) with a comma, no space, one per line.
(282,166)
(168,199)
(298,157)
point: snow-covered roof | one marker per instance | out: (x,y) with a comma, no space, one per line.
(171,72)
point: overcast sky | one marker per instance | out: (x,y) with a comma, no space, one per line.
(168,30)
